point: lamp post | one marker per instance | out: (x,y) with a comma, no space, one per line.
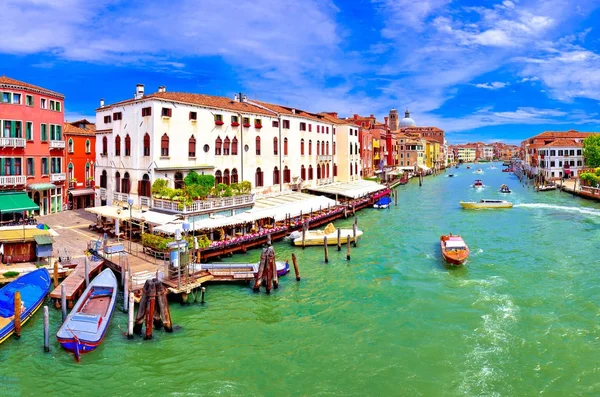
(130,202)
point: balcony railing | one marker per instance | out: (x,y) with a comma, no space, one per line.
(12,142)
(120,196)
(324,158)
(12,180)
(145,201)
(58,177)
(57,144)
(102,193)
(203,205)
(324,181)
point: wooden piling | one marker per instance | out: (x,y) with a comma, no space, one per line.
(87,272)
(303,236)
(17,314)
(150,309)
(325,249)
(141,314)
(261,270)
(339,239)
(202,291)
(63,302)
(46,330)
(126,293)
(157,321)
(295,263)
(348,249)
(130,319)
(55,275)
(354,238)
(269,239)
(274,266)
(396,197)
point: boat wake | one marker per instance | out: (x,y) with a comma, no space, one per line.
(584,211)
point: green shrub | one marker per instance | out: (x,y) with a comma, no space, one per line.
(589,178)
(10,274)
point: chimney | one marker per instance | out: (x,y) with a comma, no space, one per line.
(101,102)
(139,91)
(385,119)
(162,88)
(293,111)
(355,116)
(236,98)
(244,98)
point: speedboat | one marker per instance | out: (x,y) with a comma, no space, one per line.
(315,237)
(486,204)
(383,202)
(505,189)
(450,175)
(492,167)
(479,171)
(454,249)
(478,184)
(468,167)
(545,188)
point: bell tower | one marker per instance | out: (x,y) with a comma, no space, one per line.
(393,120)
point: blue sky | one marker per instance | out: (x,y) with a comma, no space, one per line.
(481,70)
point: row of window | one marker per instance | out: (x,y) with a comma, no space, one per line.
(561,152)
(322,172)
(566,163)
(12,166)
(14,129)
(16,98)
(70,146)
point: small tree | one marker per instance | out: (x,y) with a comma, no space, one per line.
(245,187)
(591,150)
(159,185)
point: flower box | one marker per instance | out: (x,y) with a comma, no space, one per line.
(258,126)
(219,122)
(235,124)
(247,125)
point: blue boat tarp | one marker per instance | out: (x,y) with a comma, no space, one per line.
(384,201)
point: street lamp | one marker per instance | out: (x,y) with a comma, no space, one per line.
(130,202)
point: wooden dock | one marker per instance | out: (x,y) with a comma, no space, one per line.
(75,282)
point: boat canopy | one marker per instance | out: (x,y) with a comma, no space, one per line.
(455,244)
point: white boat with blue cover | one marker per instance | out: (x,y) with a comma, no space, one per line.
(383,202)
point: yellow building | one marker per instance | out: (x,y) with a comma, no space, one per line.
(432,153)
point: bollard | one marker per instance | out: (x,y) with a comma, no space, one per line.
(354,233)
(126,293)
(130,316)
(63,302)
(202,291)
(348,249)
(87,273)
(55,276)
(17,314)
(46,330)
(295,262)
(325,248)
(339,239)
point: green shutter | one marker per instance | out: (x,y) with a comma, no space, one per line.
(58,133)
(2,166)
(12,166)
(13,125)
(29,131)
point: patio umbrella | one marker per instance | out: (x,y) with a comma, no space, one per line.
(42,226)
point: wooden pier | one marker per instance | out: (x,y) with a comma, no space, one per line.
(75,283)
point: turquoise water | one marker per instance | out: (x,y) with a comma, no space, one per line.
(521,318)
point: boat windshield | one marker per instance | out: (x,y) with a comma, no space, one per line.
(491,201)
(455,245)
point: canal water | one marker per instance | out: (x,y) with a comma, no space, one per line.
(520,318)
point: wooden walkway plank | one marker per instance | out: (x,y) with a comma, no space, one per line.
(75,282)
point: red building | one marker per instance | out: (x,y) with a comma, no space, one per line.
(80,160)
(31,143)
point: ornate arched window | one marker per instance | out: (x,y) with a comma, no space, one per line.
(87,146)
(192,147)
(310,172)
(147,144)
(302,147)
(117,182)
(218,177)
(218,146)
(234,146)
(258,178)
(234,176)
(226,179)
(303,173)
(164,145)
(285,146)
(275,176)
(117,145)
(226,145)
(286,175)
(127,145)
(105,146)
(258,147)
(318,150)
(70,145)
(126,184)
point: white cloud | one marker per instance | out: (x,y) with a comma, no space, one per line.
(492,86)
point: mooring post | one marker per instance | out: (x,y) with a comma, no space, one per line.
(87,272)
(295,263)
(126,292)
(63,302)
(303,236)
(130,321)
(274,265)
(17,314)
(348,249)
(46,330)
(354,233)
(150,310)
(269,239)
(55,274)
(339,239)
(202,291)
(325,249)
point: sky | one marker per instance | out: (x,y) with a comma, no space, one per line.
(481,70)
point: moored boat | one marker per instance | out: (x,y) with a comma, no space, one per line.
(315,237)
(85,327)
(478,184)
(283,268)
(479,171)
(383,202)
(33,287)
(454,249)
(505,189)
(486,204)
(545,188)
(450,175)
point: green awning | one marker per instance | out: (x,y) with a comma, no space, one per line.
(43,240)
(16,202)
(40,186)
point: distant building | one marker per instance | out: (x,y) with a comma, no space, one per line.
(80,160)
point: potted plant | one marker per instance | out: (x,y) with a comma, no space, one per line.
(219,122)
(258,125)
(72,182)
(235,124)
(90,181)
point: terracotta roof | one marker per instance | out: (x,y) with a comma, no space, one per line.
(564,143)
(563,134)
(7,81)
(70,129)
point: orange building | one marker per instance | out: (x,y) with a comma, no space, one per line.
(80,161)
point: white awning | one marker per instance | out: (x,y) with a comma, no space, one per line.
(407,168)
(151,217)
(424,167)
(81,192)
(350,190)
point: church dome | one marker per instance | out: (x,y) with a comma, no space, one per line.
(407,121)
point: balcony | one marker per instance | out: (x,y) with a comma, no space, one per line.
(120,197)
(12,180)
(58,177)
(324,181)
(57,144)
(324,158)
(102,193)
(12,142)
(204,205)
